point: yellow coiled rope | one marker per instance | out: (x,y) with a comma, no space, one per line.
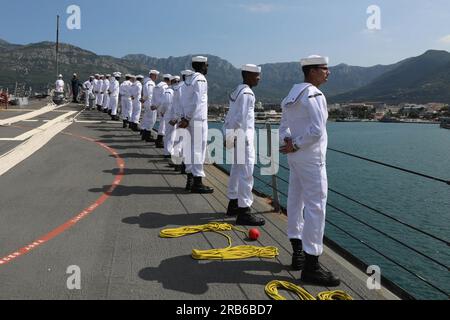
(228,253)
(272,291)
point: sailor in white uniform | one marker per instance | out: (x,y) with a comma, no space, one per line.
(136,97)
(239,130)
(125,99)
(158,96)
(105,90)
(59,84)
(167,109)
(178,114)
(150,116)
(196,120)
(113,91)
(303,132)
(87,88)
(99,90)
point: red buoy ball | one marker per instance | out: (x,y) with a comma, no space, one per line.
(254,234)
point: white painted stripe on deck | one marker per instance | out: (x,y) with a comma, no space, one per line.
(95,121)
(44,127)
(30,115)
(12,158)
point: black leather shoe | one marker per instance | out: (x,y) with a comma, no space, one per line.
(190,182)
(298,256)
(125,124)
(183,168)
(199,187)
(246,218)
(320,277)
(233,208)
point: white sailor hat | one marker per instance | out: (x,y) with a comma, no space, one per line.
(199,59)
(139,77)
(108,75)
(128,75)
(132,76)
(96,75)
(102,76)
(156,72)
(176,78)
(91,77)
(167,76)
(251,68)
(60,76)
(117,75)
(187,73)
(314,60)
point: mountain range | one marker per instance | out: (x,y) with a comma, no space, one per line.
(421,79)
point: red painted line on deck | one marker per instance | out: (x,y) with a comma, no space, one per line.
(83,214)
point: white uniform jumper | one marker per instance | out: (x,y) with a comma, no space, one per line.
(136,94)
(241,120)
(304,120)
(59,86)
(149,119)
(196,112)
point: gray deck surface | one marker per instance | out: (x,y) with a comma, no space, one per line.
(117,246)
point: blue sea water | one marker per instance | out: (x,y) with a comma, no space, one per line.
(415,200)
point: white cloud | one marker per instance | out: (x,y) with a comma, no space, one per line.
(445,40)
(258,7)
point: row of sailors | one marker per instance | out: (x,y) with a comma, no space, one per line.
(184,104)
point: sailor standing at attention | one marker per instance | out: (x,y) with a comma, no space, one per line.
(158,97)
(136,97)
(105,90)
(240,135)
(87,88)
(149,119)
(196,120)
(113,92)
(59,84)
(303,131)
(125,99)
(100,92)
(167,110)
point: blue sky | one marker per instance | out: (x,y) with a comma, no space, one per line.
(259,31)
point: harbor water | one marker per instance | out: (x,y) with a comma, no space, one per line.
(413,200)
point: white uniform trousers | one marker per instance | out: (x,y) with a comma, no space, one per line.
(86,98)
(126,108)
(99,100)
(199,141)
(307,200)
(106,100)
(149,118)
(136,111)
(169,138)
(241,181)
(113,105)
(162,126)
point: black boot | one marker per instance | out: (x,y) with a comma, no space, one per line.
(313,273)
(183,168)
(246,218)
(233,208)
(190,182)
(109,112)
(145,134)
(200,188)
(298,257)
(160,142)
(125,124)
